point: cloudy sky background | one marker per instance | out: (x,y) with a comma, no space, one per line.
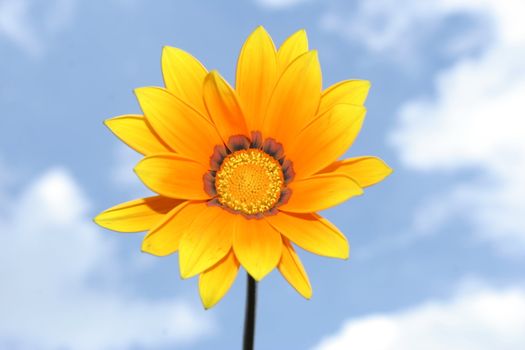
(438,249)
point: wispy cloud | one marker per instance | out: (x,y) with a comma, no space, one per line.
(480,318)
(51,259)
(279,4)
(475,123)
(31,24)
(400,30)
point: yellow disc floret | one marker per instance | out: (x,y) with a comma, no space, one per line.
(249,181)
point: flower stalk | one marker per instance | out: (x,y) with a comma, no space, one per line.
(249,317)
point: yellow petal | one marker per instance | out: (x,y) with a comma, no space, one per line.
(136,215)
(215,282)
(184,76)
(292,269)
(256,76)
(135,131)
(172,175)
(312,233)
(366,171)
(223,107)
(164,238)
(293,47)
(206,241)
(295,99)
(180,126)
(320,192)
(326,139)
(257,246)
(349,91)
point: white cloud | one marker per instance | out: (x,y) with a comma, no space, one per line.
(378,24)
(52,254)
(479,318)
(475,123)
(30,24)
(14,26)
(279,4)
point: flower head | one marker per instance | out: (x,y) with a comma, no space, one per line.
(241,172)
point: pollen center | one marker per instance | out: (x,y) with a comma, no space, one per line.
(249,181)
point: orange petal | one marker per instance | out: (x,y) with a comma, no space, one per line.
(292,269)
(223,107)
(366,171)
(215,282)
(349,91)
(320,192)
(294,100)
(180,126)
(293,47)
(164,238)
(135,131)
(325,139)
(137,215)
(172,175)
(206,241)
(312,233)
(256,76)
(184,76)
(257,246)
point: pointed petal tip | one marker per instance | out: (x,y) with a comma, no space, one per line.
(260,29)
(107,123)
(96,220)
(145,90)
(302,31)
(145,247)
(184,271)
(364,82)
(167,49)
(310,57)
(213,75)
(208,303)
(184,274)
(148,249)
(258,275)
(260,33)
(138,92)
(99,221)
(390,170)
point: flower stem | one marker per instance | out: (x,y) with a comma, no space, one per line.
(249,317)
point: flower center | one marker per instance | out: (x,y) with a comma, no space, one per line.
(249,181)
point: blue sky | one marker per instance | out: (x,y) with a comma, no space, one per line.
(438,249)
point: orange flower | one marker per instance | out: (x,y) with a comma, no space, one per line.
(240,173)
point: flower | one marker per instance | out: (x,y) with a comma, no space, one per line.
(240,173)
